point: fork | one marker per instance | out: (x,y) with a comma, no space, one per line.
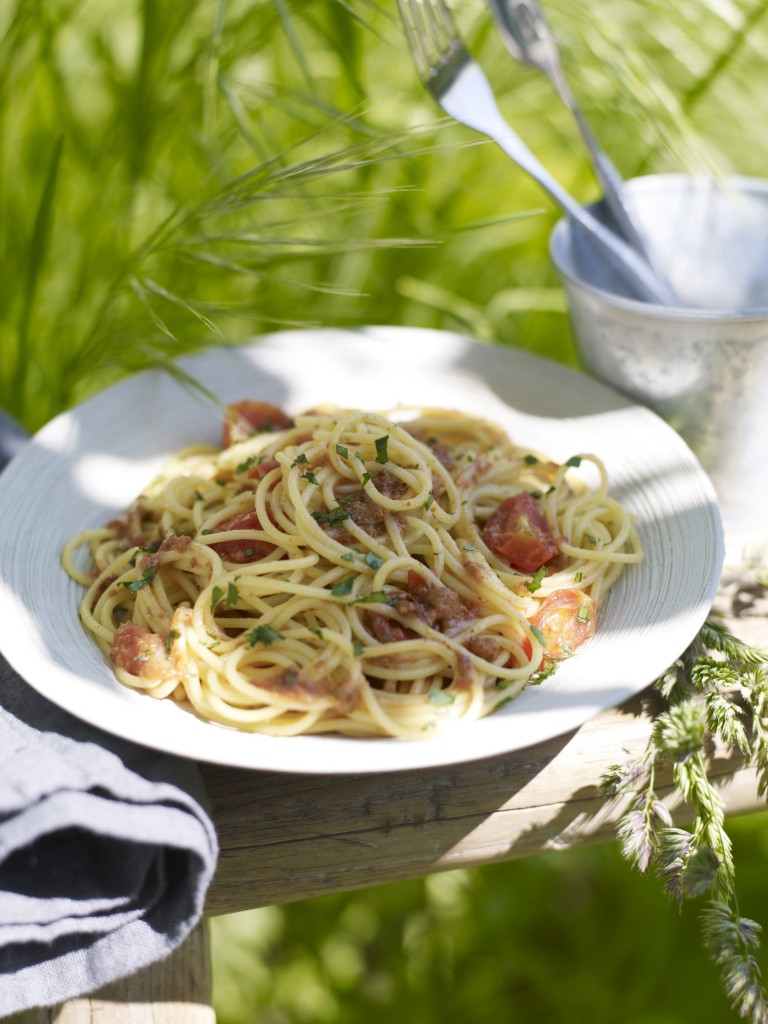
(526,34)
(459,85)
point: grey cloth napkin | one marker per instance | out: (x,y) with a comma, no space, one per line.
(106,848)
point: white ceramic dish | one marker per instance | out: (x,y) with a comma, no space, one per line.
(88,464)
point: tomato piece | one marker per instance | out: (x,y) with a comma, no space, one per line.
(246,418)
(138,651)
(518,532)
(567,620)
(262,468)
(246,550)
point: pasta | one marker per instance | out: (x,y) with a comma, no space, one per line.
(352,572)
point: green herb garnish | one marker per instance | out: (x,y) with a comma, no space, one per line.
(381,449)
(375,597)
(173,635)
(441,698)
(540,635)
(332,517)
(263,635)
(344,587)
(534,583)
(146,578)
(252,460)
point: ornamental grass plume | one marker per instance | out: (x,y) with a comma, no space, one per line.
(715,691)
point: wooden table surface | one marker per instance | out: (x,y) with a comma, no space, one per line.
(290,837)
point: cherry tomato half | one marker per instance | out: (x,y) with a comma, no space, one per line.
(566,619)
(518,532)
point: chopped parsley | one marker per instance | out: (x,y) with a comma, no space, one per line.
(583,613)
(441,698)
(469,547)
(146,578)
(429,503)
(375,597)
(263,635)
(531,460)
(300,459)
(366,477)
(575,461)
(548,668)
(373,561)
(382,456)
(232,596)
(216,595)
(206,533)
(592,540)
(309,475)
(357,648)
(333,516)
(540,635)
(342,451)
(318,632)
(252,460)
(344,587)
(534,583)
(348,557)
(173,635)
(579,576)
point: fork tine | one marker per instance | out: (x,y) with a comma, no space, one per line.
(432,37)
(442,16)
(415,37)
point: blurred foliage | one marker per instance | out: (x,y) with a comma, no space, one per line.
(570,936)
(176,175)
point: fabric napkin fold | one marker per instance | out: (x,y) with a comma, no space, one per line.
(106,847)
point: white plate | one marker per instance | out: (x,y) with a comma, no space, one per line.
(88,464)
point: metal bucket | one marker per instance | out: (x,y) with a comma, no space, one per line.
(703,366)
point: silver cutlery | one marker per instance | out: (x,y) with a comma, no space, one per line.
(527,36)
(460,87)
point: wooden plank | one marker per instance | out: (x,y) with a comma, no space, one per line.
(287,837)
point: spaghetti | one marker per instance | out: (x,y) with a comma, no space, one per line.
(351,572)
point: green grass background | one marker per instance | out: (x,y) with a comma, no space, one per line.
(179,175)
